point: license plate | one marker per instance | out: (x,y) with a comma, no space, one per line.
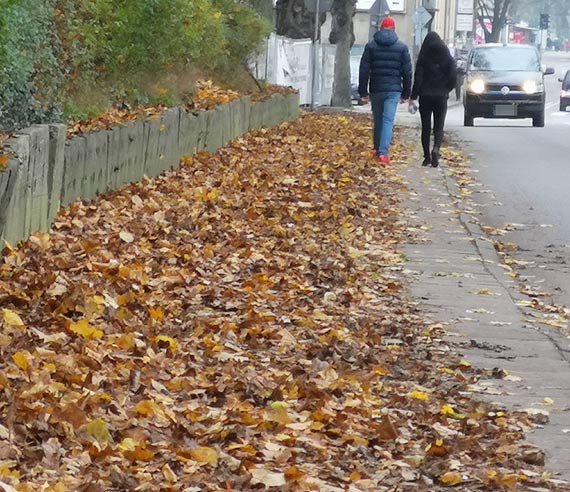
(505,110)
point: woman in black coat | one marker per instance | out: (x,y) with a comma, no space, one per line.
(434,78)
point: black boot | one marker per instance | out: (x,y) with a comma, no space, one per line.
(427,161)
(435,157)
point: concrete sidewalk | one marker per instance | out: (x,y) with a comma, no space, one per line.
(456,276)
(402,111)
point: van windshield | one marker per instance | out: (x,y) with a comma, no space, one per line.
(504,58)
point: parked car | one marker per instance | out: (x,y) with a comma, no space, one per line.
(565,91)
(504,81)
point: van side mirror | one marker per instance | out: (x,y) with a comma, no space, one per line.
(560,79)
(549,71)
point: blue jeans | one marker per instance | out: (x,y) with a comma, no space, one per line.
(384,105)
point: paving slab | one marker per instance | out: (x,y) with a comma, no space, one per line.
(457,277)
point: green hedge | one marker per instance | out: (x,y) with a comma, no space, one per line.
(62,55)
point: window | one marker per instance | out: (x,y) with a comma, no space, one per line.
(505,58)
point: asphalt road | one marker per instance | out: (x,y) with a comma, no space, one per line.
(524,179)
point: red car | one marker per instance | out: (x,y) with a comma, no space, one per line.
(565,91)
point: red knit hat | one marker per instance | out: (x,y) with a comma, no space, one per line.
(388,23)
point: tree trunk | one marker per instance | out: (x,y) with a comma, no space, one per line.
(342,35)
(294,21)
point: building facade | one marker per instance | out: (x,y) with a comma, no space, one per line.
(451,19)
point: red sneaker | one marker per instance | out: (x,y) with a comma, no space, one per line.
(384,159)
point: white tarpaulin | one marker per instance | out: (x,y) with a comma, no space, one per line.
(289,62)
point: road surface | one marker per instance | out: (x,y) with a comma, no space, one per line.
(524,173)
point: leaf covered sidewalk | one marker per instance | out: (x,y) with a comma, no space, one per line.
(241,324)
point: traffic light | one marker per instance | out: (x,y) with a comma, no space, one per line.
(544,21)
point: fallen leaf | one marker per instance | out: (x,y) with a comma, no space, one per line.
(22,360)
(126,236)
(99,430)
(419,395)
(83,329)
(451,478)
(267,478)
(204,455)
(11,318)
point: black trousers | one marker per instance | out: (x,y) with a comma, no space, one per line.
(436,106)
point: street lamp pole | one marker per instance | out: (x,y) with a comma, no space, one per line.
(315,54)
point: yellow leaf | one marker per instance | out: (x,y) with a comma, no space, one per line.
(21,360)
(83,329)
(98,430)
(451,478)
(419,395)
(548,401)
(278,405)
(204,455)
(128,444)
(162,341)
(279,414)
(156,313)
(447,410)
(11,318)
(146,408)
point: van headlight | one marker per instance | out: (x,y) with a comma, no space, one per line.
(530,87)
(477,86)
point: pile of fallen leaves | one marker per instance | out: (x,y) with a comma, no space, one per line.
(206,96)
(113,118)
(240,324)
(271,90)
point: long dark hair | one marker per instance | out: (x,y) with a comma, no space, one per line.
(433,47)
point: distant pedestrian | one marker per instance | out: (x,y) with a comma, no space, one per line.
(435,77)
(385,79)
(461,64)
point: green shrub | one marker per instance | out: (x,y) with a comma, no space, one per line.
(31,79)
(76,55)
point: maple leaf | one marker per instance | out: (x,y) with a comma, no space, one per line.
(99,430)
(83,329)
(11,318)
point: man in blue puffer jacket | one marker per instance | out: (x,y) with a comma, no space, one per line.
(387,68)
